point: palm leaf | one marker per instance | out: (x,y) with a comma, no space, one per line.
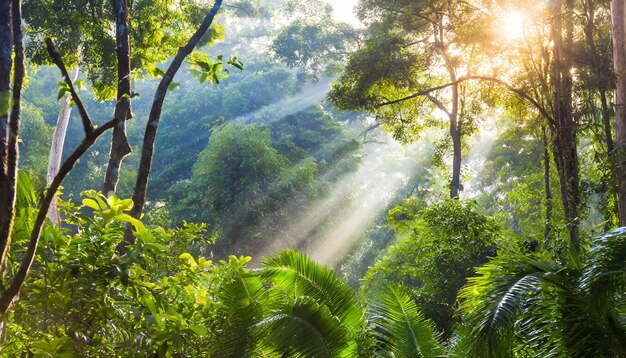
(494,301)
(399,327)
(242,307)
(304,328)
(297,275)
(605,270)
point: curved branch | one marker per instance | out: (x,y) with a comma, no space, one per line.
(145,165)
(517,91)
(29,256)
(58,60)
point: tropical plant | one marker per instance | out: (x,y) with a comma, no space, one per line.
(308,311)
(399,327)
(437,250)
(535,305)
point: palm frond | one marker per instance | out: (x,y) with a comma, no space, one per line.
(493,301)
(399,327)
(242,306)
(305,328)
(297,275)
(605,270)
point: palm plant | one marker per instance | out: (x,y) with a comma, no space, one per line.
(399,328)
(533,305)
(294,307)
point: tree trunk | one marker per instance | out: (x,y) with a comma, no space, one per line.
(548,189)
(6,63)
(566,155)
(455,132)
(56,148)
(618,17)
(119,145)
(147,151)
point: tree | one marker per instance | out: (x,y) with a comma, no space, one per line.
(412,49)
(99,37)
(436,251)
(618,15)
(10,90)
(56,148)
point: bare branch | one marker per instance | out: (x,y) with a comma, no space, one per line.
(58,60)
(147,151)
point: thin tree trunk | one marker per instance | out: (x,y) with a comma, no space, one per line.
(618,17)
(56,148)
(455,132)
(119,145)
(566,154)
(548,189)
(6,63)
(147,151)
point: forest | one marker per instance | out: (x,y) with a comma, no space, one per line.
(312,178)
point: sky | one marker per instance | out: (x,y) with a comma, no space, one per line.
(344,10)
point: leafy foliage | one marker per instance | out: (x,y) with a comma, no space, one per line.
(437,251)
(401,328)
(522,305)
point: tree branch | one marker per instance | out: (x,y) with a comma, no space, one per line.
(29,256)
(439,104)
(147,151)
(58,60)
(518,92)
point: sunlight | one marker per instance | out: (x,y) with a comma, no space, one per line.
(512,24)
(344,11)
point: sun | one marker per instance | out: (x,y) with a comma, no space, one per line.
(512,24)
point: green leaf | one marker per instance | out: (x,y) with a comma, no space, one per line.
(154,71)
(91,204)
(173,86)
(233,61)
(80,84)
(199,330)
(157,247)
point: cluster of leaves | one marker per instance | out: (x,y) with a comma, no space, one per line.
(81,299)
(437,250)
(534,305)
(85,33)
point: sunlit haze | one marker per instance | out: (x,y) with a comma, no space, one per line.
(512,25)
(344,10)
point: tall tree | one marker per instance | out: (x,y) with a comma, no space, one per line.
(618,15)
(413,64)
(6,189)
(56,147)
(209,69)
(105,32)
(119,146)
(566,155)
